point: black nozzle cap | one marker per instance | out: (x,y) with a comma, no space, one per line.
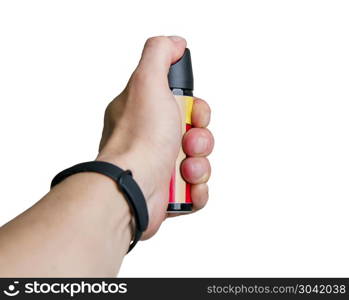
(180,75)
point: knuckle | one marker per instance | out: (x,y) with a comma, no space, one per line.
(139,76)
(108,109)
(158,41)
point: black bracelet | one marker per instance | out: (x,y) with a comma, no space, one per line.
(126,184)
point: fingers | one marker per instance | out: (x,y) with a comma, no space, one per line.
(159,53)
(199,195)
(198,142)
(196,170)
(201,113)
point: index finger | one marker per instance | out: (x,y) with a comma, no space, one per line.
(201,113)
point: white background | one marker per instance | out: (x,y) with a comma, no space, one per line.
(276,75)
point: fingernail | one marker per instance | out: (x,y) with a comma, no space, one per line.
(198,172)
(175,38)
(200,145)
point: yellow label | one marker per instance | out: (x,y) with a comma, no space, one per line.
(189,101)
(186,105)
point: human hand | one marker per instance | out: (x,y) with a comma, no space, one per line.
(142,132)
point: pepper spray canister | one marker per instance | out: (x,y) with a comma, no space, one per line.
(181,83)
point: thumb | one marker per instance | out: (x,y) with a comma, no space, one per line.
(159,53)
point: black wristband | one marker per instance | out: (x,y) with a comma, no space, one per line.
(127,186)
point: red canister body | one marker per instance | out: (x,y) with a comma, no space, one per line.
(179,196)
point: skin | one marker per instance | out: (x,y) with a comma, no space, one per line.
(83,226)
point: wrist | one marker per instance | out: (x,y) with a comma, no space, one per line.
(132,162)
(93,200)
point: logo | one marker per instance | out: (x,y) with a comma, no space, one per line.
(67,288)
(12,290)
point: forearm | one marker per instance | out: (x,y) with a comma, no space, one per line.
(81,228)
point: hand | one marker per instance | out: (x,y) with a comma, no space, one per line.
(142,132)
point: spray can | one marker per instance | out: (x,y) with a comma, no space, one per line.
(181,83)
